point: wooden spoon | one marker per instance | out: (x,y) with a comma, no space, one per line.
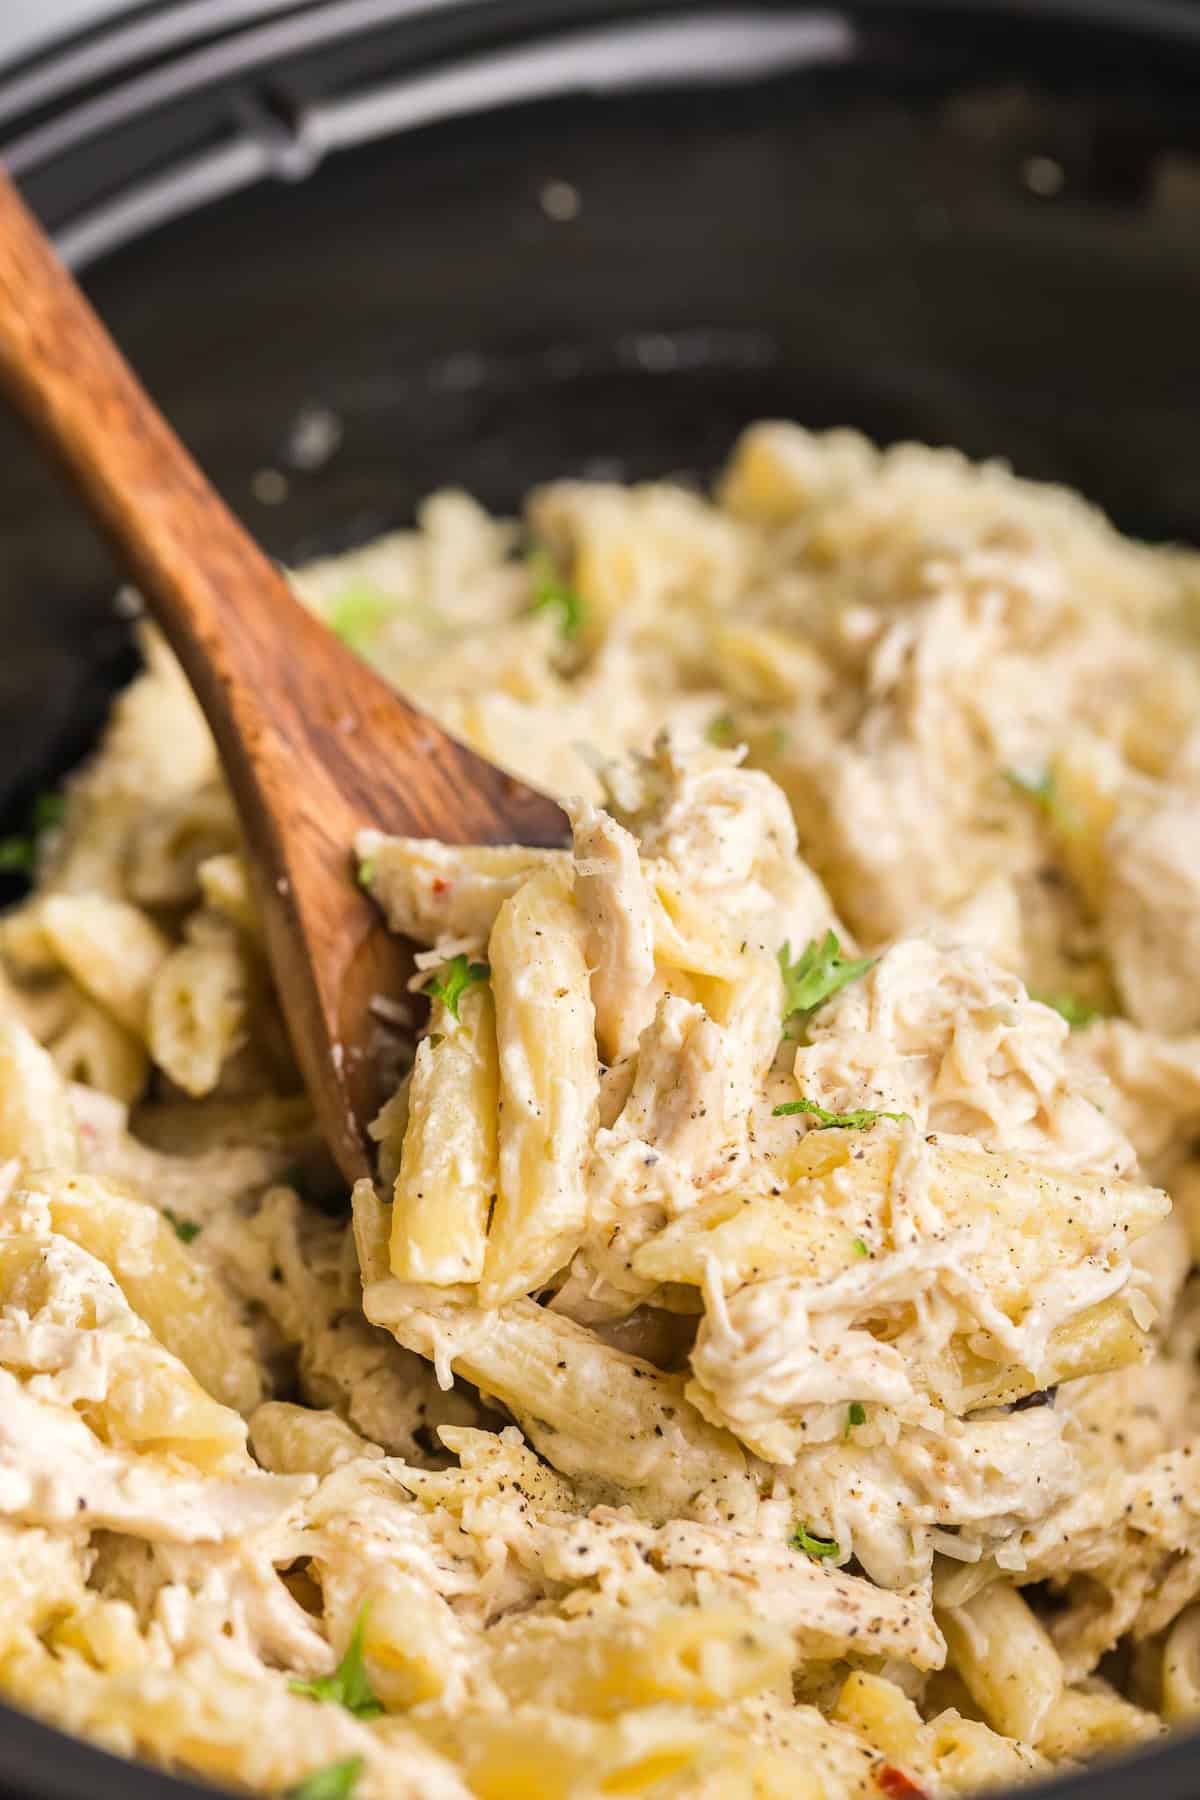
(315,745)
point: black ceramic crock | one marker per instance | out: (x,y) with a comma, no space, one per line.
(365,247)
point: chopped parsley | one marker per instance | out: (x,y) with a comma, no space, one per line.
(18,853)
(856,1415)
(336,1781)
(803,1539)
(454,978)
(1040,786)
(831,1121)
(366,871)
(818,973)
(722,731)
(860,1248)
(551,593)
(185,1229)
(1076,1012)
(357,614)
(49,810)
(348,1686)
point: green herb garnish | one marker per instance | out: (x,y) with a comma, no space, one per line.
(454,978)
(818,973)
(336,1781)
(856,1415)
(831,1121)
(18,853)
(860,1248)
(366,871)
(357,614)
(49,810)
(1041,786)
(551,593)
(1076,1012)
(185,1229)
(803,1539)
(721,731)
(348,1686)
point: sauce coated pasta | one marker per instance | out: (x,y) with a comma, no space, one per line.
(766,1364)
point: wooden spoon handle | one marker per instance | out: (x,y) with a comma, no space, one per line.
(227,611)
(63,372)
(278,690)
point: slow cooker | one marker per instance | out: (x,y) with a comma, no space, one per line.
(362,248)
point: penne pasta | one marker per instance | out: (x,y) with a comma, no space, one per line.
(549,1087)
(446,1185)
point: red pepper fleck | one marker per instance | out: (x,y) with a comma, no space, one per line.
(439,886)
(896,1784)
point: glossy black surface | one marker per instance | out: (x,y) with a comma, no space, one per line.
(974,225)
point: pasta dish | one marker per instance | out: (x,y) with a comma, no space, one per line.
(766,1363)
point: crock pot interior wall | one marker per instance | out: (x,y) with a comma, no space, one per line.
(983,237)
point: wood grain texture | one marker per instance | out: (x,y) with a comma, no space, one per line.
(314,744)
